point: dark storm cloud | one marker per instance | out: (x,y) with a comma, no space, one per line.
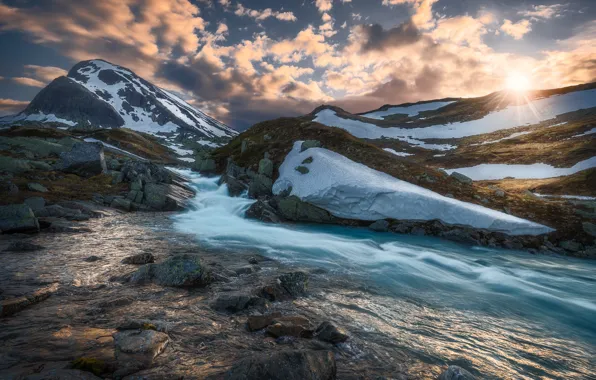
(377,38)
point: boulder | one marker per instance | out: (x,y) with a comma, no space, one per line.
(166,197)
(113,164)
(589,228)
(285,365)
(292,208)
(84,159)
(235,186)
(35,203)
(121,204)
(296,326)
(139,259)
(329,333)
(136,349)
(571,245)
(14,305)
(23,246)
(380,225)
(302,169)
(184,270)
(205,165)
(17,218)
(58,211)
(286,287)
(259,322)
(33,186)
(235,302)
(260,185)
(7,187)
(461,178)
(261,210)
(456,373)
(310,144)
(266,167)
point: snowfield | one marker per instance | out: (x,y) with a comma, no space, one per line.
(401,154)
(534,171)
(351,190)
(41,117)
(412,110)
(510,117)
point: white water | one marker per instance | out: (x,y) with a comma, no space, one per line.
(528,316)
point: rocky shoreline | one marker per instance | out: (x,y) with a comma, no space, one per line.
(116,302)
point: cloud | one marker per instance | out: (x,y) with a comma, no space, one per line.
(324,5)
(28,82)
(516,30)
(264,14)
(422,16)
(543,11)
(11,106)
(222,28)
(377,38)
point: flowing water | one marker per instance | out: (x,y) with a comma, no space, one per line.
(502,314)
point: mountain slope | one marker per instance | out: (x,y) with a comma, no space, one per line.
(98,94)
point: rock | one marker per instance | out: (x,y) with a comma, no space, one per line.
(292,208)
(287,286)
(285,365)
(113,164)
(117,177)
(14,305)
(571,245)
(235,186)
(136,349)
(17,218)
(310,144)
(329,333)
(58,211)
(461,178)
(380,225)
(259,322)
(529,194)
(121,204)
(33,186)
(247,269)
(40,165)
(296,326)
(35,203)
(589,228)
(9,188)
(84,159)
(205,165)
(235,302)
(499,193)
(456,373)
(23,246)
(307,160)
(184,270)
(260,186)
(266,167)
(302,169)
(62,374)
(136,185)
(262,211)
(253,260)
(14,165)
(246,143)
(139,259)
(166,197)
(92,259)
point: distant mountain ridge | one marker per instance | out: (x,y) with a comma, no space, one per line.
(99,94)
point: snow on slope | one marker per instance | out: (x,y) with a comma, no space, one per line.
(351,190)
(534,171)
(401,154)
(123,85)
(41,117)
(412,110)
(509,117)
(115,148)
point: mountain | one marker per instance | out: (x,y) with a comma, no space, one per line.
(98,94)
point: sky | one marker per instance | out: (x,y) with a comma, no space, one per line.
(247,61)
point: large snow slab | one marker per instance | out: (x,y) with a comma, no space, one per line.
(509,117)
(351,190)
(412,110)
(534,171)
(41,117)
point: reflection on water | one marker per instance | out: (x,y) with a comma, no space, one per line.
(502,313)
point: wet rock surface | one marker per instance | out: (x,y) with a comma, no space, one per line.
(94,312)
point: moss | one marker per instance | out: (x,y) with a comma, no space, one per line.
(93,365)
(148,326)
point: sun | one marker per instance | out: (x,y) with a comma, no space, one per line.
(517,82)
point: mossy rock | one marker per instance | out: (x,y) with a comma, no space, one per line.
(93,365)
(302,169)
(308,160)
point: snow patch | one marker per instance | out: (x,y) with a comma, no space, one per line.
(590,132)
(412,110)
(534,171)
(351,190)
(512,136)
(114,148)
(401,154)
(575,197)
(41,117)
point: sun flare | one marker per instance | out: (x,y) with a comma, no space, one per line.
(517,82)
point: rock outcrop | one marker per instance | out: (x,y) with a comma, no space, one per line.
(18,218)
(84,159)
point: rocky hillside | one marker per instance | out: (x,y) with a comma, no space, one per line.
(252,162)
(49,177)
(98,95)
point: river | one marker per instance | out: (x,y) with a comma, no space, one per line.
(499,313)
